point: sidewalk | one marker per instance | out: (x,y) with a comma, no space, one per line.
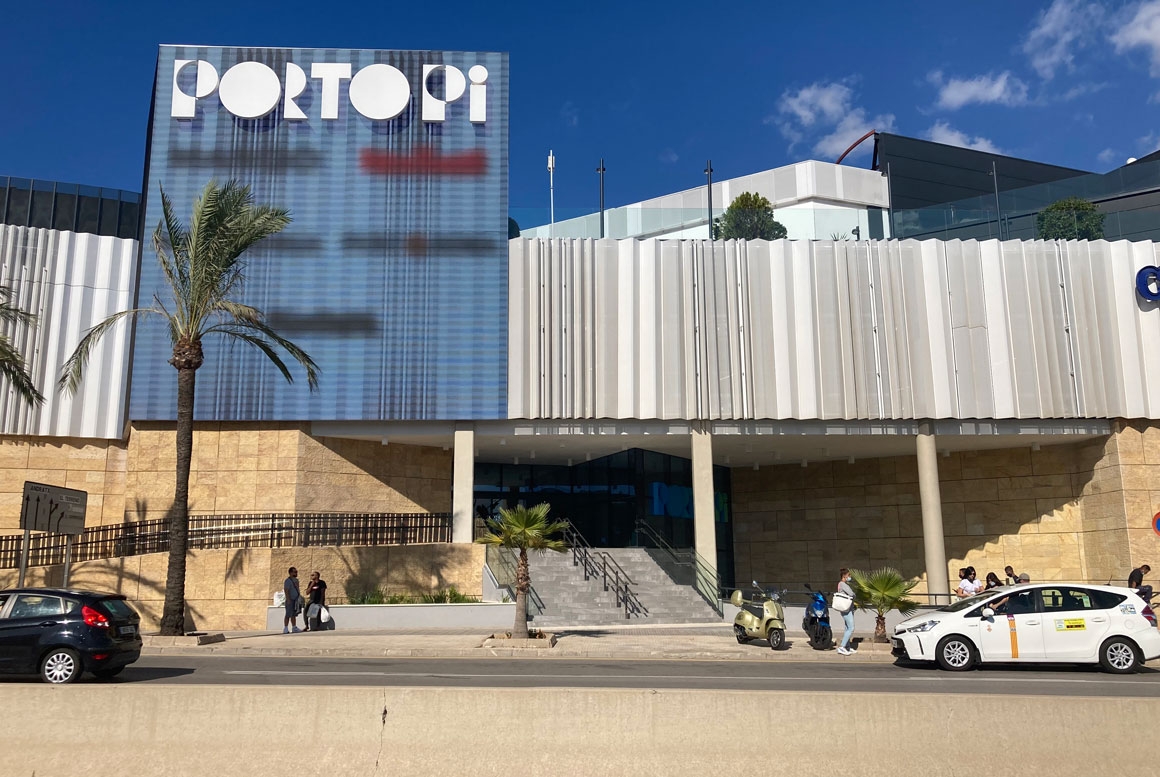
(698,642)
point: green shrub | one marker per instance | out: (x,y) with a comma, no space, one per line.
(446,596)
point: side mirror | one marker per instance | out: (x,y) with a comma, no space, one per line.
(988,612)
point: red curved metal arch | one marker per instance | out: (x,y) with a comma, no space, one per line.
(854,145)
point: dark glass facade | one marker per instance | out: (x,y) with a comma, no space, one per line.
(604,498)
(69,207)
(393,272)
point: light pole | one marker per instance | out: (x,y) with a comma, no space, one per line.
(600,170)
(551,194)
(709,193)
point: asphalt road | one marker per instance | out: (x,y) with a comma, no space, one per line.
(592,673)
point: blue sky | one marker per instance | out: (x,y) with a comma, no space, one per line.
(654,88)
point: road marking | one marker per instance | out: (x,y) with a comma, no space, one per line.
(718,678)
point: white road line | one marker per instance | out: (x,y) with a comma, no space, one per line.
(491,676)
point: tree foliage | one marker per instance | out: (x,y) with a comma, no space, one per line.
(524,528)
(204,264)
(1072,218)
(13,368)
(748,217)
(883,590)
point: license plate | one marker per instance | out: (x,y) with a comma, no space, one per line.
(127,630)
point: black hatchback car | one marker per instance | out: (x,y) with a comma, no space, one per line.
(61,633)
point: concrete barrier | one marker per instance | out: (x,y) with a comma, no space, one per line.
(482,615)
(164,730)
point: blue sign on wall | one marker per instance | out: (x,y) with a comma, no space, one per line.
(393,273)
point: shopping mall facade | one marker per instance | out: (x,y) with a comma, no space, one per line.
(785,407)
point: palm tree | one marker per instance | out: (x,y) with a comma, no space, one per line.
(12,364)
(883,590)
(525,528)
(205,267)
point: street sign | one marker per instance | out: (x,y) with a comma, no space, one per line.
(53,509)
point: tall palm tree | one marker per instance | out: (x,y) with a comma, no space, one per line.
(883,590)
(524,528)
(12,365)
(205,267)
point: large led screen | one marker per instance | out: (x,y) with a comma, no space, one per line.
(393,273)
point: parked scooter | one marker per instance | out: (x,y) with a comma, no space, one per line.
(759,618)
(816,623)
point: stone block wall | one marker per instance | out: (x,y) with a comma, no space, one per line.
(229,590)
(1016,506)
(95,466)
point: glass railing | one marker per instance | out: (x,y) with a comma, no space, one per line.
(800,223)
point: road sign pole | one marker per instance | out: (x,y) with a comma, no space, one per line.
(68,543)
(24,557)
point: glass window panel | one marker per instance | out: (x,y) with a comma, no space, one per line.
(18,201)
(130,214)
(65,217)
(109,215)
(88,211)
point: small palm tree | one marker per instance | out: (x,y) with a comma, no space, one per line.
(883,590)
(205,267)
(12,365)
(524,528)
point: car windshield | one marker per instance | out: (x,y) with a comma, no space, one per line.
(970,601)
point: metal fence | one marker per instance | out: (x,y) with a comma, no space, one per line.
(270,530)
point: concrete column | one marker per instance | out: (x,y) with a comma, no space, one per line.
(932,521)
(463,487)
(704,526)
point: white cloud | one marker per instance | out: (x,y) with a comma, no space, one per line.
(827,102)
(943,132)
(1003,89)
(668,156)
(1086,88)
(1149,143)
(1062,29)
(848,129)
(824,112)
(570,113)
(1107,156)
(1141,31)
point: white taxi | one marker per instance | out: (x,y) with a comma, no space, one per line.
(1045,622)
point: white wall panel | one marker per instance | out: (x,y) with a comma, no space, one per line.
(71,282)
(821,330)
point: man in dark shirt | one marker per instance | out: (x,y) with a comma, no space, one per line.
(316,599)
(1136,582)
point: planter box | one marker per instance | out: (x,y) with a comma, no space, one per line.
(485,615)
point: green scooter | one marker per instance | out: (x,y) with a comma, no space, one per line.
(759,618)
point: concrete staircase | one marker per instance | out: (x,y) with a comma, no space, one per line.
(663,588)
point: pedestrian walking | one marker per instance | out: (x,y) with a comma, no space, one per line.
(992,581)
(848,615)
(1012,578)
(293,602)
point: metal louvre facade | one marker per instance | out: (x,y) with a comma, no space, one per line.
(667,329)
(70,281)
(393,273)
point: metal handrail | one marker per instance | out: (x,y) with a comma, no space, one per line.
(683,556)
(583,556)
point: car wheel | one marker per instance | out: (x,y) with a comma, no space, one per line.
(60,665)
(776,639)
(955,654)
(1119,656)
(107,674)
(739,632)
